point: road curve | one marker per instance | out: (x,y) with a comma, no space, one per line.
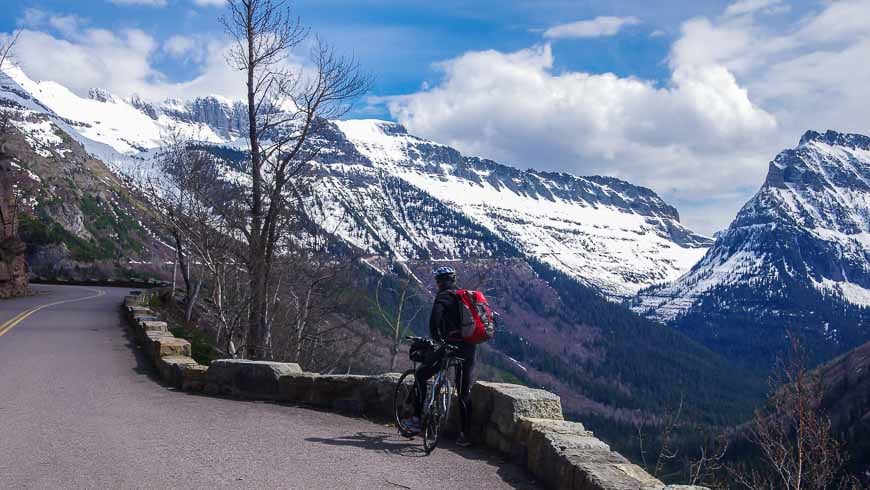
(79,410)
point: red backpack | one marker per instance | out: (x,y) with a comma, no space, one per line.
(476,319)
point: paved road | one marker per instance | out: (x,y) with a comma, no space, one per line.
(78,410)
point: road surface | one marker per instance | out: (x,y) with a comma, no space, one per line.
(78,409)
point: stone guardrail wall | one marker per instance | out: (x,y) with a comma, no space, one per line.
(523,423)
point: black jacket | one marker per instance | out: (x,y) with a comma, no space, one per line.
(444,324)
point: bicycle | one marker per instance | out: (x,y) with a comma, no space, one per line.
(436,407)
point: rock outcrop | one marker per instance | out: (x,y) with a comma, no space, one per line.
(13,266)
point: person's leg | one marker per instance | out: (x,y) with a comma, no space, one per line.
(465,380)
(421,376)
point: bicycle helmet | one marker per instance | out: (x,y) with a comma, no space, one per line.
(444,275)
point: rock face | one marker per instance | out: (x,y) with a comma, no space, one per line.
(797,256)
(13,265)
(225,117)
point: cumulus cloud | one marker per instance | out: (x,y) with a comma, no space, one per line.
(597,27)
(64,23)
(738,93)
(61,48)
(186,47)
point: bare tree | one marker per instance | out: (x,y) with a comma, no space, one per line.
(284,105)
(665,438)
(793,436)
(6,48)
(398,319)
(6,53)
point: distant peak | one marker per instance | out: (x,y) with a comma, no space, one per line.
(386,127)
(809,136)
(835,138)
(102,95)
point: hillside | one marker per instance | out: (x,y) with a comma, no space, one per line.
(845,390)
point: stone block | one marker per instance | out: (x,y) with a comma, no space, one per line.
(371,396)
(193,377)
(340,392)
(296,388)
(172,367)
(132,311)
(499,406)
(377,395)
(248,379)
(565,455)
(153,326)
(145,318)
(148,339)
(169,346)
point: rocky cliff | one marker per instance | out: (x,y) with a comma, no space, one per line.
(13,266)
(796,257)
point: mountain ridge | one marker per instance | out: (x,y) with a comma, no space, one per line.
(796,256)
(608,233)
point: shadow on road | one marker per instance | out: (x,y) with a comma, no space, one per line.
(387,442)
(392,443)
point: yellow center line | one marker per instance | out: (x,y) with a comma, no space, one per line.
(14,321)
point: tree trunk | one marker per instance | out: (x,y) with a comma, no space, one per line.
(393,359)
(256,248)
(191,301)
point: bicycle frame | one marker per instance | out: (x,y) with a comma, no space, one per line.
(446,363)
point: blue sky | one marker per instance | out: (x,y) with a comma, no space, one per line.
(689,98)
(398,41)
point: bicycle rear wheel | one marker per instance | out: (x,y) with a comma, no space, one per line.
(403,402)
(437,418)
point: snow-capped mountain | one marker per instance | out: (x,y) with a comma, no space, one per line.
(611,234)
(389,192)
(534,240)
(797,255)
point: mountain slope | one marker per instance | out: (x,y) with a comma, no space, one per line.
(543,245)
(796,257)
(607,233)
(845,390)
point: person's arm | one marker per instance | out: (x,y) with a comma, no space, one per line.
(436,320)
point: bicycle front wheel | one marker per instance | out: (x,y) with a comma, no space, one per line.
(438,416)
(403,402)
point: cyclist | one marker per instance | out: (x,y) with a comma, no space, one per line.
(444,327)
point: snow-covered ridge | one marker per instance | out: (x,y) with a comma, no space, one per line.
(387,191)
(611,234)
(809,224)
(128,127)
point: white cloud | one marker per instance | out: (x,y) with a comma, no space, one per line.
(739,92)
(147,3)
(185,47)
(210,3)
(66,24)
(597,27)
(121,61)
(745,7)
